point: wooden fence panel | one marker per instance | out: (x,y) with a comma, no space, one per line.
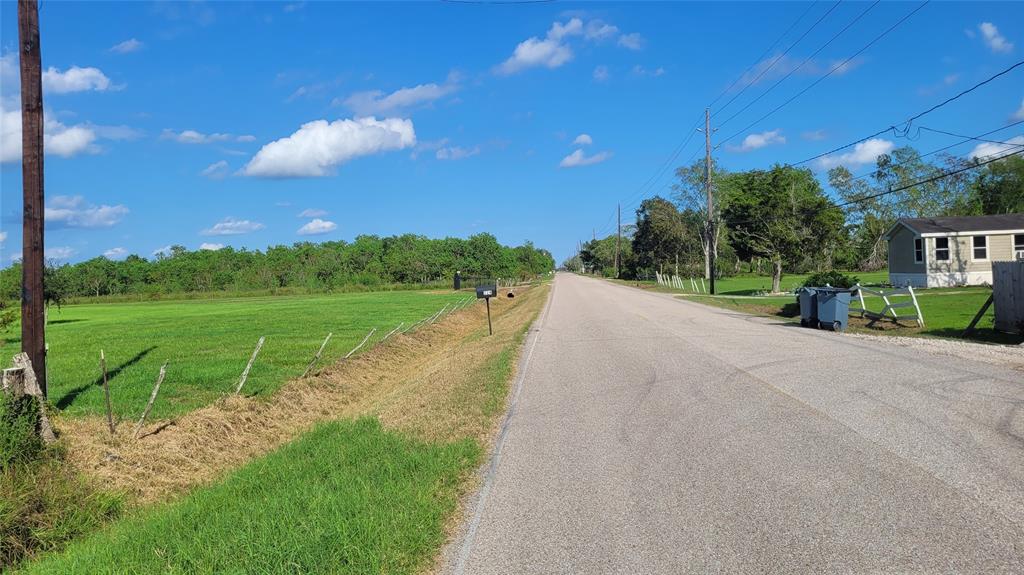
(1008,295)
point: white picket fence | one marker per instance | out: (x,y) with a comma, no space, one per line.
(889,311)
(676,282)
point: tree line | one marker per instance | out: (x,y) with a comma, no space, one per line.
(367,262)
(782,220)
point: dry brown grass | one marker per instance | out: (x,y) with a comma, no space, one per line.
(420,382)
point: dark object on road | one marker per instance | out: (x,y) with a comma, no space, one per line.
(808,300)
(458,281)
(486,293)
(510,294)
(833,308)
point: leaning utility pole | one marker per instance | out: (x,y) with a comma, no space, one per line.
(618,240)
(33,340)
(712,234)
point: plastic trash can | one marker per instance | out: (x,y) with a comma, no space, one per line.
(808,300)
(833,308)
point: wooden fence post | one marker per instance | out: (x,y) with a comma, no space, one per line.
(30,386)
(349,354)
(106,392)
(317,356)
(152,398)
(248,366)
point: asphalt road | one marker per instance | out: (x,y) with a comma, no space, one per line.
(652,435)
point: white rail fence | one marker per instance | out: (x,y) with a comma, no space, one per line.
(676,282)
(889,311)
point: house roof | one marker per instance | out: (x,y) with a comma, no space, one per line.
(954,225)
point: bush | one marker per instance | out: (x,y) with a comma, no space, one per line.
(19,430)
(832,278)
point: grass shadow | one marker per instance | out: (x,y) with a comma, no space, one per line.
(60,321)
(68,398)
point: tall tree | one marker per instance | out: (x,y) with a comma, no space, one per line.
(783,215)
(690,195)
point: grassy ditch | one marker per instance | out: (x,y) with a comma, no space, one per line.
(347,497)
(359,470)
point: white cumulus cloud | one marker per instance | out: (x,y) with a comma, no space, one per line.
(578,158)
(318,147)
(312,213)
(74,79)
(317,227)
(551,52)
(986,150)
(758,141)
(75,212)
(211,246)
(58,139)
(164,251)
(583,140)
(128,46)
(995,41)
(865,152)
(232,227)
(115,253)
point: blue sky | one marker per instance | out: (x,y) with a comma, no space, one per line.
(252,124)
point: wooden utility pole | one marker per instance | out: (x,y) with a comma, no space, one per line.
(33,339)
(618,240)
(712,233)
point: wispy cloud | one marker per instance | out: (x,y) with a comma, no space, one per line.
(115,253)
(601,73)
(59,253)
(194,137)
(642,71)
(216,171)
(127,47)
(1019,114)
(211,246)
(814,135)
(75,212)
(993,39)
(376,102)
(583,140)
(632,41)
(456,152)
(232,227)
(312,213)
(75,79)
(579,158)
(988,149)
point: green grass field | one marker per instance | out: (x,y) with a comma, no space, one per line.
(348,497)
(206,344)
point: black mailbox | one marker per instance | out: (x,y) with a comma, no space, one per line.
(485,292)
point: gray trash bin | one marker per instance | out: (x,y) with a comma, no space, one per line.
(833,308)
(808,300)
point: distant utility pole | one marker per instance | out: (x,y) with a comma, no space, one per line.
(712,233)
(618,240)
(33,339)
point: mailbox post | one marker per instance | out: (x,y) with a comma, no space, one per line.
(486,293)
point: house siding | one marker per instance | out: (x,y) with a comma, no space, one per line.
(901,253)
(1000,247)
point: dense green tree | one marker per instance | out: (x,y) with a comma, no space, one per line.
(782,214)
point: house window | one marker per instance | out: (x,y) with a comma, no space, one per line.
(942,249)
(1018,246)
(979,245)
(918,250)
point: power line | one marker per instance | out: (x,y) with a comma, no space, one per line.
(975,138)
(765,53)
(910,120)
(776,60)
(802,64)
(833,70)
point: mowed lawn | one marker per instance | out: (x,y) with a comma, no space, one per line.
(946,311)
(207,344)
